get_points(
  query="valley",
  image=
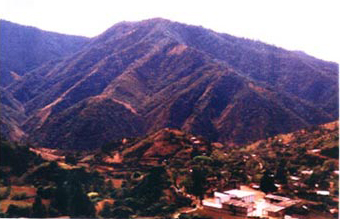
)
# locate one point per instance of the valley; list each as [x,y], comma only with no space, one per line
[118,174]
[160,119]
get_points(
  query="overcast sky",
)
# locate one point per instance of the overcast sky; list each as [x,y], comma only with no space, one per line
[308,25]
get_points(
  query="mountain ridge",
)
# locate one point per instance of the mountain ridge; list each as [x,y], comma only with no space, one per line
[180,76]
[27,47]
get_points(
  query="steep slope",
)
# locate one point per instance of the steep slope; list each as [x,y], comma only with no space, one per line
[11,116]
[174,75]
[25,48]
[296,73]
[88,125]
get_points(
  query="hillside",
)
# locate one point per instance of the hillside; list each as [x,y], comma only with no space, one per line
[159,174]
[173,75]
[11,117]
[24,48]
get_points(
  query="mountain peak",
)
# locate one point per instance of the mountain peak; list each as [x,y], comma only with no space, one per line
[157,73]
[157,20]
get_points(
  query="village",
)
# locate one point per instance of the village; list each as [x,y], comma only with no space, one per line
[195,178]
[240,200]
[248,201]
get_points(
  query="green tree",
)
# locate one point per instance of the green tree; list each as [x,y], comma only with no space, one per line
[329,166]
[71,159]
[80,205]
[122,212]
[267,183]
[38,209]
[60,199]
[17,211]
[107,211]
[4,194]
[281,172]
[199,176]
[196,183]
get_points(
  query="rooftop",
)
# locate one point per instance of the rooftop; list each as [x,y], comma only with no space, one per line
[239,193]
[288,203]
[277,197]
[295,178]
[321,192]
[273,208]
[238,203]
[218,194]
[211,203]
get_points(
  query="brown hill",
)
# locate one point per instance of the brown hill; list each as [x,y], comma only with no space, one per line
[168,74]
[164,144]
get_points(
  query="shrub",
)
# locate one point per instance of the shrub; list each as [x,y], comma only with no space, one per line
[332,152]
[17,211]
[20,196]
[46,192]
[182,201]
[5,192]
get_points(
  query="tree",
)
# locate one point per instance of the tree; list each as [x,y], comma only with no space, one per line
[267,182]
[199,182]
[38,209]
[6,193]
[106,148]
[107,211]
[15,211]
[281,172]
[60,199]
[71,159]
[122,212]
[151,187]
[329,166]
[80,205]
[196,183]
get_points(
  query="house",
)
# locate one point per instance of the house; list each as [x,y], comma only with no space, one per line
[221,197]
[245,196]
[322,192]
[295,178]
[278,205]
[307,172]
[281,201]
[274,211]
[238,207]
[236,202]
[275,198]
[243,203]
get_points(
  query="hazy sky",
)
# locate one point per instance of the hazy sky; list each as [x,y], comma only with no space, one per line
[308,25]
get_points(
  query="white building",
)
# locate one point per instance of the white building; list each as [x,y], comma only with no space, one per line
[245,196]
[232,201]
[221,197]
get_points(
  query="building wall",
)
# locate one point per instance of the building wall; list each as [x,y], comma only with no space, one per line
[249,198]
[239,210]
[278,214]
[221,197]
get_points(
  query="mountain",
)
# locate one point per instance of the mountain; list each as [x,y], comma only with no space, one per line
[24,48]
[139,77]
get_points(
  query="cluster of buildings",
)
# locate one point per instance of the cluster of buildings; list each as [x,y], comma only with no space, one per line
[243,203]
